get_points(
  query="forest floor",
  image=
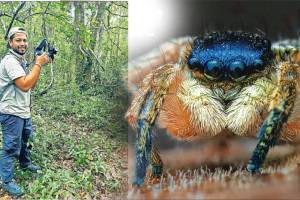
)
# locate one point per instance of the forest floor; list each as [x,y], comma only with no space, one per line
[81,147]
[216,170]
[77,163]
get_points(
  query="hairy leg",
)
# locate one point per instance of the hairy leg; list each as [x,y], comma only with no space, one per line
[156,162]
[143,142]
[143,111]
[167,53]
[280,109]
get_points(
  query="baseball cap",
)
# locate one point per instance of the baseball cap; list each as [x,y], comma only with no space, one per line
[15,30]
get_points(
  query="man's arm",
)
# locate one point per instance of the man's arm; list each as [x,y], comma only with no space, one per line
[26,82]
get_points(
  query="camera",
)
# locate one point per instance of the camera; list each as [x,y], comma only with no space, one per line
[44,44]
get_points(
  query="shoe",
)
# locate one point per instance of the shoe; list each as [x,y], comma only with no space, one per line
[12,188]
[31,167]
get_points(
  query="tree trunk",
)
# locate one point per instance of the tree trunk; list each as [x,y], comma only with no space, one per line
[78,22]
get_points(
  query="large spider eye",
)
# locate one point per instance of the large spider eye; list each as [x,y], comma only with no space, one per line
[213,69]
[237,69]
[258,64]
[194,63]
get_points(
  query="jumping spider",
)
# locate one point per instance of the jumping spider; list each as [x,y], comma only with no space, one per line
[234,81]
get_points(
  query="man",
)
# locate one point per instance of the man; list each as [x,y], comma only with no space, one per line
[15,84]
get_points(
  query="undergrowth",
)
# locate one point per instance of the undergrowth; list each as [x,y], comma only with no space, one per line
[77,139]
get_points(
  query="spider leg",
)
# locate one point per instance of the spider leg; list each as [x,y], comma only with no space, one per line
[146,153]
[156,162]
[143,142]
[269,134]
[280,109]
[142,114]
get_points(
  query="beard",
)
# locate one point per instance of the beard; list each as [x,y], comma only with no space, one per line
[20,50]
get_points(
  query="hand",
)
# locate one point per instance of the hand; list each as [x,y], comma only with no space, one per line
[42,59]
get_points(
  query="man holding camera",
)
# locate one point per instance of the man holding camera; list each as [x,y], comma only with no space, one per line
[15,84]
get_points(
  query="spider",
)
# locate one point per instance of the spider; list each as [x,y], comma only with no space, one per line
[232,81]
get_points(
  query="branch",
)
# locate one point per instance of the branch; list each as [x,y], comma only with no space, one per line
[47,8]
[116,14]
[92,52]
[3,24]
[119,27]
[89,53]
[7,15]
[21,5]
[83,51]
[44,31]
[118,47]
[120,5]
[44,13]
[114,27]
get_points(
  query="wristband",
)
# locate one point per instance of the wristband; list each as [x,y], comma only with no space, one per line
[38,65]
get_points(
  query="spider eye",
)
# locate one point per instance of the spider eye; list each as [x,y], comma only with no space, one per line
[194,63]
[213,69]
[237,69]
[258,64]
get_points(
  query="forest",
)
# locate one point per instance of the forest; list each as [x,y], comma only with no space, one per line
[80,132]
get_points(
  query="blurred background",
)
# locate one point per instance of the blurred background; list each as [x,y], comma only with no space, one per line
[153,22]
